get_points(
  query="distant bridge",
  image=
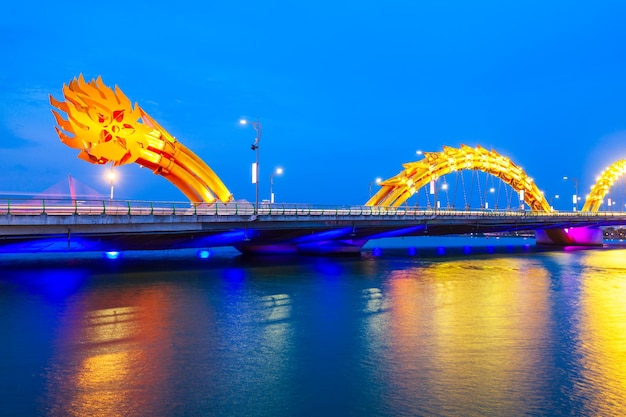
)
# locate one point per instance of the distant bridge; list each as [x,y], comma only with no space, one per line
[278,228]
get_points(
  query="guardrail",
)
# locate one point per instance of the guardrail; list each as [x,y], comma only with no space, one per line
[56,207]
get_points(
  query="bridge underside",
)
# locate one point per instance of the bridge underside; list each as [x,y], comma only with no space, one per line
[574,236]
[265,234]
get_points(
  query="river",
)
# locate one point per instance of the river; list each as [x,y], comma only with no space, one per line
[436,330]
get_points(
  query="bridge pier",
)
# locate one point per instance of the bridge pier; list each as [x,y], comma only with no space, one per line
[265,249]
[327,247]
[573,236]
[332,247]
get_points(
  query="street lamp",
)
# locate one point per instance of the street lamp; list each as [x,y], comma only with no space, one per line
[111,177]
[255,147]
[277,171]
[492,191]
[556,196]
[575,196]
[376,181]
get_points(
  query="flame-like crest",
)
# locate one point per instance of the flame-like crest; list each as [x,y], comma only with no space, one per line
[105,126]
[101,122]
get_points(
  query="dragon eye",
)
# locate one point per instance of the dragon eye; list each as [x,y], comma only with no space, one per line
[118,115]
[106,135]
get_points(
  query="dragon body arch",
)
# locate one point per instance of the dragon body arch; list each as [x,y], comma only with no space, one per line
[398,189]
[603,185]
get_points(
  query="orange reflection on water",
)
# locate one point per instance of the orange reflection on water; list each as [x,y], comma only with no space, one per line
[99,385]
[463,328]
[603,332]
[113,354]
[110,324]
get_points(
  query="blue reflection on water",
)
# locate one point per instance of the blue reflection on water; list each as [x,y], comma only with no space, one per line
[327,267]
[440,334]
[52,284]
[234,275]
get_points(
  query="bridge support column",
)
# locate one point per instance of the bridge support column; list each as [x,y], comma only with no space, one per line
[326,247]
[276,249]
[573,236]
[332,247]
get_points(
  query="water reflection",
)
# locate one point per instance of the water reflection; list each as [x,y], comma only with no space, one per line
[603,333]
[110,324]
[529,334]
[277,340]
[468,335]
[374,300]
[275,307]
[112,360]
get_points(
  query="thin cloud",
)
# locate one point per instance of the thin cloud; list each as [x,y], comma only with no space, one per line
[9,141]
[26,120]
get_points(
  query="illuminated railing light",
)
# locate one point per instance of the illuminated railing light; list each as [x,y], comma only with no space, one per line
[204,254]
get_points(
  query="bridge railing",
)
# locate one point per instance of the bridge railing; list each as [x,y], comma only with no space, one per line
[67,207]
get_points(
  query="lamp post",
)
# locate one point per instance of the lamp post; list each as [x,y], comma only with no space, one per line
[492,191]
[376,181]
[444,188]
[111,177]
[258,128]
[575,197]
[556,197]
[277,171]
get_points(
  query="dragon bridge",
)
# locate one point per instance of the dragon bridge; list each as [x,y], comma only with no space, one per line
[103,124]
[398,189]
[603,185]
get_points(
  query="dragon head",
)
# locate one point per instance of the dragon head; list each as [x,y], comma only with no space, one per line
[101,122]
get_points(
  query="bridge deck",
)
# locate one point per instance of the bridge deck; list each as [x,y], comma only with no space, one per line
[126,226]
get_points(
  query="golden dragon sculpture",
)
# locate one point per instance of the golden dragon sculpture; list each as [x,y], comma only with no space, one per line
[396,190]
[103,124]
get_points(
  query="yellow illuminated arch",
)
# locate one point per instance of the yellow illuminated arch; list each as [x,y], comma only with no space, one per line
[602,187]
[398,189]
[103,124]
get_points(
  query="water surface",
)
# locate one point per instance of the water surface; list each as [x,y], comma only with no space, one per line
[489,332]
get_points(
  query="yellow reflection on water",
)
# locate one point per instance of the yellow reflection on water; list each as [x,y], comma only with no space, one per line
[110,324]
[113,354]
[463,329]
[603,331]
[98,384]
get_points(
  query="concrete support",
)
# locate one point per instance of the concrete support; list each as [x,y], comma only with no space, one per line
[573,236]
[265,249]
[327,247]
[332,247]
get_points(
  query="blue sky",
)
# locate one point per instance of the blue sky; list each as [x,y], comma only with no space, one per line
[346,91]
